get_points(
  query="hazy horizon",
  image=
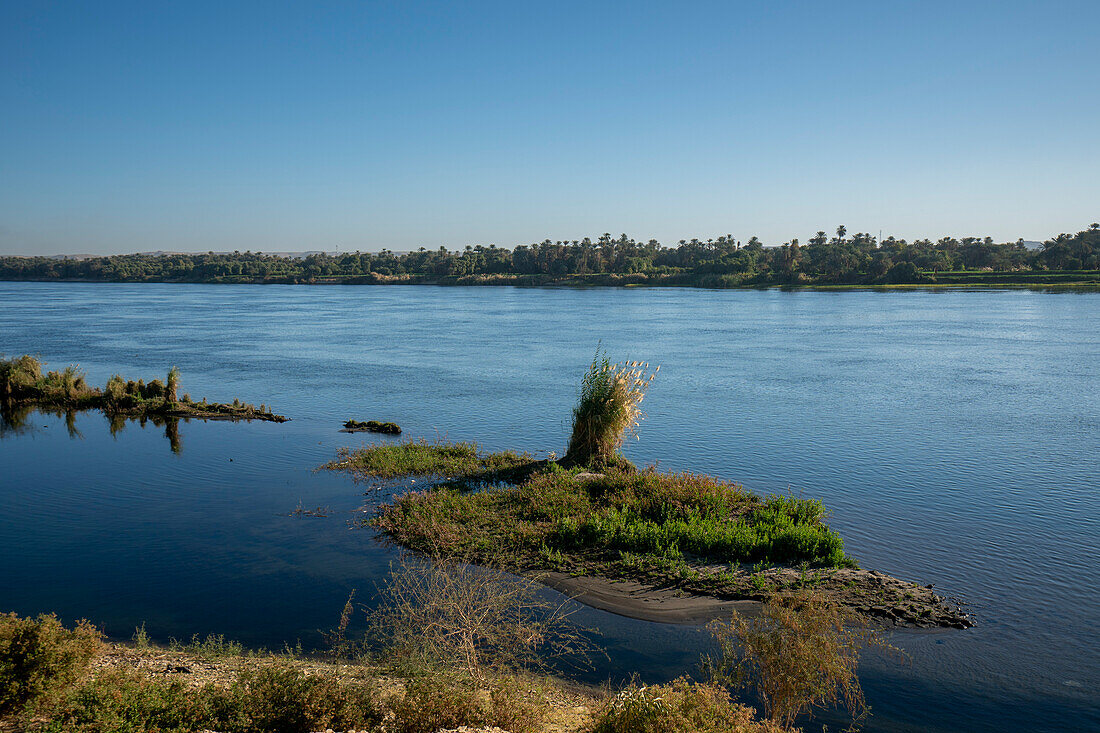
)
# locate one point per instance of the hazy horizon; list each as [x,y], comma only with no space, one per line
[199,127]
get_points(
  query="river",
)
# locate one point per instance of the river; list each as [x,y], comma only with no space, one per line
[954,434]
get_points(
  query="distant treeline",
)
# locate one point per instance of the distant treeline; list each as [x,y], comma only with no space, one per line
[857,259]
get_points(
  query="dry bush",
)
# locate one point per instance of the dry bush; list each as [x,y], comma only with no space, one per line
[40,658]
[443,611]
[802,651]
[609,407]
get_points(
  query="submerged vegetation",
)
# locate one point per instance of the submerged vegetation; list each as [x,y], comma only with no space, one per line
[844,259]
[23,384]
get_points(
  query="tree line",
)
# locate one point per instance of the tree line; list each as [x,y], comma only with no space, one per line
[841,258]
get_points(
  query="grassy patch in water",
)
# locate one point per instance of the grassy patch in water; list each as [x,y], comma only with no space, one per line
[420,458]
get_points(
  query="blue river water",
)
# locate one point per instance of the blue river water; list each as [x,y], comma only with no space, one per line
[955,436]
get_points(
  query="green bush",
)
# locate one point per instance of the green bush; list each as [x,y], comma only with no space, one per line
[125,701]
[681,706]
[283,698]
[443,701]
[277,698]
[39,658]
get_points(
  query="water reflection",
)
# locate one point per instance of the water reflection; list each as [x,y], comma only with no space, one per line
[18,420]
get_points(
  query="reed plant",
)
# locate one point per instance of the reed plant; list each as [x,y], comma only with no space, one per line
[608,409]
[172,385]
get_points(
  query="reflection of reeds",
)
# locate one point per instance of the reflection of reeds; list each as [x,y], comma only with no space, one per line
[608,409]
[172,432]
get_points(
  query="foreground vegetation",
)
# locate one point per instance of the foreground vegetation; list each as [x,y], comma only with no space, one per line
[458,648]
[1066,259]
[59,680]
[23,384]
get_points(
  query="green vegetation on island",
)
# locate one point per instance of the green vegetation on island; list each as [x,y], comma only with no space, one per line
[24,385]
[857,259]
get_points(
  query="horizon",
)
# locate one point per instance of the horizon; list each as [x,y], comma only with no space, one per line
[356,128]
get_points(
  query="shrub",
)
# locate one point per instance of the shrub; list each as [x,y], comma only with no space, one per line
[801,652]
[681,706]
[39,658]
[19,375]
[608,408]
[447,701]
[154,390]
[458,614]
[115,391]
[439,702]
[275,698]
[282,698]
[126,701]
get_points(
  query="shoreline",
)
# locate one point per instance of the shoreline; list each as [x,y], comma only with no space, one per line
[865,592]
[641,602]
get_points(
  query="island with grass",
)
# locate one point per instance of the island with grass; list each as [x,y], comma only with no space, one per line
[679,547]
[24,385]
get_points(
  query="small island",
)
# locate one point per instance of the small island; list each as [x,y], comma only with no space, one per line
[24,385]
[677,547]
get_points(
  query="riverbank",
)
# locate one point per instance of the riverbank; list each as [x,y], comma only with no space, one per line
[59,680]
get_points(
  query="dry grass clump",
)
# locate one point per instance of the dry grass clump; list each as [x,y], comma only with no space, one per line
[682,706]
[608,409]
[802,651]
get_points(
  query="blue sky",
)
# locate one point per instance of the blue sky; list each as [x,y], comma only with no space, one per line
[358,125]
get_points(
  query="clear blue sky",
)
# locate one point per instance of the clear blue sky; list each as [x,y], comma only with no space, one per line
[359,125]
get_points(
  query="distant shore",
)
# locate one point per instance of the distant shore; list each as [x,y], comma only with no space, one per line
[965,281]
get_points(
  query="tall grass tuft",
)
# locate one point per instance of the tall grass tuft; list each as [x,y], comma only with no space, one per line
[172,385]
[609,408]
